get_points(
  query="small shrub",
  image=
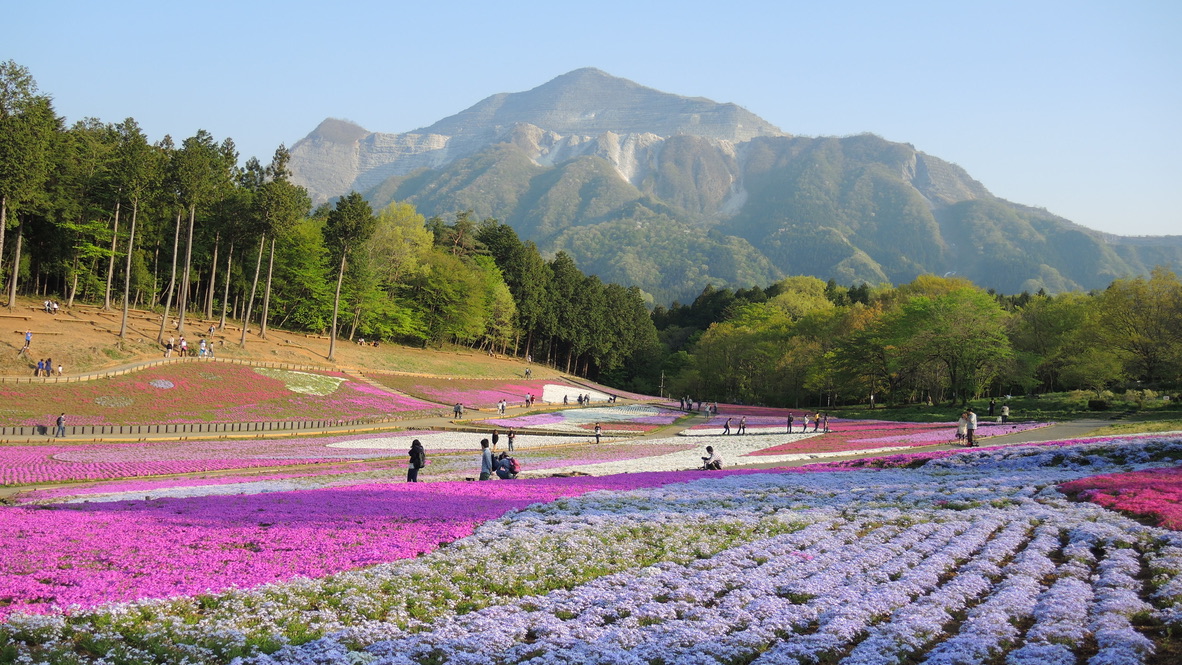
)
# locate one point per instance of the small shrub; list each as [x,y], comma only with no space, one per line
[1097,405]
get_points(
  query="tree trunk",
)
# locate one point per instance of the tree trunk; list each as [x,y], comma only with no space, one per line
[73,285]
[226,292]
[3,224]
[16,263]
[213,273]
[135,206]
[184,298]
[111,259]
[176,238]
[336,304]
[258,264]
[356,320]
[267,292]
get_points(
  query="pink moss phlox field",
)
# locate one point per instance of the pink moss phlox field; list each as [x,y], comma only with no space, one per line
[27,464]
[200,392]
[472,393]
[1155,493]
[856,435]
[88,554]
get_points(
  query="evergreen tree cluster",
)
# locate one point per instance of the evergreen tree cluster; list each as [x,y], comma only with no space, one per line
[94,212]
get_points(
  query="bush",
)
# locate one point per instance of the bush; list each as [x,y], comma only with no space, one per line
[1097,405]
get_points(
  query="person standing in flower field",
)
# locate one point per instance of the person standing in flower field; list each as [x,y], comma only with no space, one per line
[598,431]
[1005,413]
[790,420]
[972,428]
[486,460]
[496,436]
[418,459]
[510,436]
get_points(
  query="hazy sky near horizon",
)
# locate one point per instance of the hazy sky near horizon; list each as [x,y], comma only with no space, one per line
[1071,106]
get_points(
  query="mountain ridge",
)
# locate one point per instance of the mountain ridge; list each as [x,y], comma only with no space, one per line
[588,155]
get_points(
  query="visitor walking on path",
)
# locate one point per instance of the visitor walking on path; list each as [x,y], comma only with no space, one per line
[726,428]
[1005,413]
[458,411]
[742,425]
[418,459]
[60,430]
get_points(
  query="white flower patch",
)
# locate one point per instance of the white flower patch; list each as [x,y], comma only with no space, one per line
[303,382]
[445,441]
[163,384]
[734,450]
[553,393]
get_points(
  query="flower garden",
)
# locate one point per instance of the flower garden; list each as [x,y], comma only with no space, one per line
[956,557]
[484,393]
[312,549]
[205,392]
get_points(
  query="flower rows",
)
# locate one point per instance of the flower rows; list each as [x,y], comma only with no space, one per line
[974,557]
[1153,492]
[485,393]
[204,392]
[612,418]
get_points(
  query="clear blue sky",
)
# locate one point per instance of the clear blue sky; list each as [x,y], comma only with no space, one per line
[1072,106]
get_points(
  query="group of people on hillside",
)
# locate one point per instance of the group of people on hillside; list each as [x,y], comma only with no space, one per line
[51,306]
[687,404]
[45,368]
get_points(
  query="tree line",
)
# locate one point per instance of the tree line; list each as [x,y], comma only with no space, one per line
[802,341]
[95,212]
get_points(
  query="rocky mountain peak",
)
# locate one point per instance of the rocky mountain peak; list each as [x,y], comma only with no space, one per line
[336,130]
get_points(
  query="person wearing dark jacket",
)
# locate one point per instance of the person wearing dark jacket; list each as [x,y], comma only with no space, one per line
[418,459]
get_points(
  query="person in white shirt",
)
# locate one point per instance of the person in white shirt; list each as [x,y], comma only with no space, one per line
[713,462]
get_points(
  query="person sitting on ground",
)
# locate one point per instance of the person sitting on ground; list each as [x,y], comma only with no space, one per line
[504,466]
[712,462]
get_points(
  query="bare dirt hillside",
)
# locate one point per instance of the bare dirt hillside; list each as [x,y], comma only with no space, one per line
[86,339]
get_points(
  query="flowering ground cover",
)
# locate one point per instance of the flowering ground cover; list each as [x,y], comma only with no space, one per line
[869,434]
[483,393]
[452,456]
[1155,493]
[203,392]
[628,418]
[972,558]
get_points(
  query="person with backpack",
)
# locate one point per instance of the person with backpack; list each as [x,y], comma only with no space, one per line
[507,467]
[418,459]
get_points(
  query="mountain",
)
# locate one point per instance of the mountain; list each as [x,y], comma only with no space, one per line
[673,193]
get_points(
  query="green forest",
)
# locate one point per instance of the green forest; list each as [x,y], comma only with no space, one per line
[94,212]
